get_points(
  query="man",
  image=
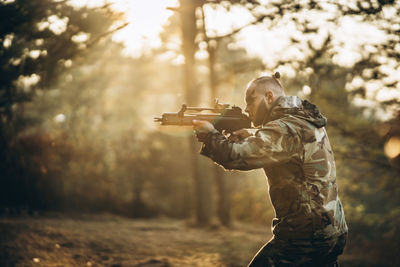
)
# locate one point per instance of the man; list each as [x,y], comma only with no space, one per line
[292,146]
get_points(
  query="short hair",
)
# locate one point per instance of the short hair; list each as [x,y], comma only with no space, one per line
[271,83]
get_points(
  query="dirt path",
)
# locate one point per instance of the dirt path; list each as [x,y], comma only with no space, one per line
[108,240]
[115,241]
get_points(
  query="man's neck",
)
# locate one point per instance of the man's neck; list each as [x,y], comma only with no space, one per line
[268,114]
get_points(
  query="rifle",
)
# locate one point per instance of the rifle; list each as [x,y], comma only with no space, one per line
[221,116]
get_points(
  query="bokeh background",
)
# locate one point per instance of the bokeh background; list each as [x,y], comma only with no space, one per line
[80,83]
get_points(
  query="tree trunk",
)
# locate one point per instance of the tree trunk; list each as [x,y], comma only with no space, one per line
[202,184]
[223,187]
[224,196]
[223,190]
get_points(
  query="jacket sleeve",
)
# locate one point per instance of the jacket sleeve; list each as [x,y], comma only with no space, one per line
[272,144]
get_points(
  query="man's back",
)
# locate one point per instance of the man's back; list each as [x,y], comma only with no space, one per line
[302,182]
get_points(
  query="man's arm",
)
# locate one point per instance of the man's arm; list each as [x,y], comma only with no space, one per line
[270,145]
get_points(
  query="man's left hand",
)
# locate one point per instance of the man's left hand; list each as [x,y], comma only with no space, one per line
[202,128]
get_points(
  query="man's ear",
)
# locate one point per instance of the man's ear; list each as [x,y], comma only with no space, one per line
[270,97]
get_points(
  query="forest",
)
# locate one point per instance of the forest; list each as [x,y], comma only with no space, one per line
[79,145]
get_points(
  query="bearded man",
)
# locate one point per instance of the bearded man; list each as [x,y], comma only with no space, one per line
[291,144]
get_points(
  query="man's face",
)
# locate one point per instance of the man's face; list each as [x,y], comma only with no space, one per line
[256,103]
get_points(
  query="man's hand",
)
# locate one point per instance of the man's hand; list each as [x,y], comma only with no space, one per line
[239,135]
[202,128]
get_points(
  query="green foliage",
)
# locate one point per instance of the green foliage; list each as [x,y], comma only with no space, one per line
[38,38]
[38,43]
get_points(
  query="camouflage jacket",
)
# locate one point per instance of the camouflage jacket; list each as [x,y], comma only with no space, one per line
[293,148]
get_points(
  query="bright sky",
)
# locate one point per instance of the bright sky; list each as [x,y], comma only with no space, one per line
[146,18]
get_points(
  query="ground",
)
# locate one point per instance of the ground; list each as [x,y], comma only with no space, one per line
[108,240]
[115,241]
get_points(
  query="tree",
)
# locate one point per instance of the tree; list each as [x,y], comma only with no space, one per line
[189,32]
[192,36]
[40,39]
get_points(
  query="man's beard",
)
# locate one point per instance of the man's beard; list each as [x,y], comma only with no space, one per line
[260,113]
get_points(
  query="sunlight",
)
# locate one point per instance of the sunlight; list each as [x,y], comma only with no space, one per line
[146,19]
[307,90]
[392,147]
[60,118]
[26,82]
[80,37]
[8,40]
[220,22]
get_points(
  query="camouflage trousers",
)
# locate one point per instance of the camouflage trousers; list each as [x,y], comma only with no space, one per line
[278,252]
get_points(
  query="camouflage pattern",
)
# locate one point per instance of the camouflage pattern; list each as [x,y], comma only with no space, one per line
[293,148]
[298,252]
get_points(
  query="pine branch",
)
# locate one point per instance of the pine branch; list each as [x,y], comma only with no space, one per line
[100,36]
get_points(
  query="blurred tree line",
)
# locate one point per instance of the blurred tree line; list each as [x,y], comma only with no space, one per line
[76,131]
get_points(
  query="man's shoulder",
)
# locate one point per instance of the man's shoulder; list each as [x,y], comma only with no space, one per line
[272,127]
[290,124]
[280,130]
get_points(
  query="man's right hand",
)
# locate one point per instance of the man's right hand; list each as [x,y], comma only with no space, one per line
[239,135]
